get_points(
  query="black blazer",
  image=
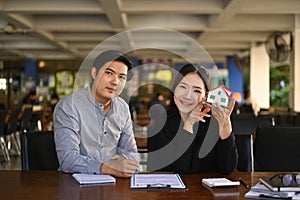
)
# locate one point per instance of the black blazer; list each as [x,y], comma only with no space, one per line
[181,148]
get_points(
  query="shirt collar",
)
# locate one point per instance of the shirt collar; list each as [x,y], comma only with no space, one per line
[94,102]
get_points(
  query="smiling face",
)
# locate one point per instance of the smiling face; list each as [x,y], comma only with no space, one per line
[109,81]
[189,92]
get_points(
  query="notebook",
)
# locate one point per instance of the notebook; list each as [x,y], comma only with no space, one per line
[260,191]
[224,192]
[219,182]
[93,178]
[275,184]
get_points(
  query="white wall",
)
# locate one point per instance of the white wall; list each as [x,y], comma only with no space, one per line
[260,75]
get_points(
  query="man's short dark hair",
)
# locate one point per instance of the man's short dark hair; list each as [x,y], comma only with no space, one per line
[32,92]
[112,55]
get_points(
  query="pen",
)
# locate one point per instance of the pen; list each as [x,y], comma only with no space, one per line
[136,169]
[273,197]
[124,156]
[243,183]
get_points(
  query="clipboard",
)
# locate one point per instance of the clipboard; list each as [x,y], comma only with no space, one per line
[157,182]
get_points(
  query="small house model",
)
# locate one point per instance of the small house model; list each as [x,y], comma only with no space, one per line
[219,94]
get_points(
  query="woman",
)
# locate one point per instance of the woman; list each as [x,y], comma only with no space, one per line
[175,147]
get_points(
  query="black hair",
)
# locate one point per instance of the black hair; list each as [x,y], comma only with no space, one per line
[54,96]
[32,92]
[158,94]
[112,55]
[189,68]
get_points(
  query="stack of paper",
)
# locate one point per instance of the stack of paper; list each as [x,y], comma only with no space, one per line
[93,178]
[261,191]
[219,182]
[222,192]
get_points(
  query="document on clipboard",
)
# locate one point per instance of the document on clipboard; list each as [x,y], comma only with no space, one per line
[157,181]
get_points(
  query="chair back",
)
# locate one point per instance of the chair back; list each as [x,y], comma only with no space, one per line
[297,119]
[25,120]
[244,147]
[12,124]
[38,151]
[3,113]
[266,120]
[244,123]
[277,149]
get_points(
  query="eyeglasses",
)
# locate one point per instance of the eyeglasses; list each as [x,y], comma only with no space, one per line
[288,179]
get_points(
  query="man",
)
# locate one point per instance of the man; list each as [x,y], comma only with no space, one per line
[31,98]
[93,128]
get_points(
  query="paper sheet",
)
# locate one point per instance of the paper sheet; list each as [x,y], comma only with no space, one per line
[259,189]
[156,181]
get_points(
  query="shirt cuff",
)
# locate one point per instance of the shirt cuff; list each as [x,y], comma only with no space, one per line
[94,167]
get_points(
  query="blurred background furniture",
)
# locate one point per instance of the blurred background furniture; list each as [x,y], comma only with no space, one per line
[277,149]
[245,151]
[25,120]
[4,151]
[38,151]
[247,123]
[10,132]
[23,125]
[244,126]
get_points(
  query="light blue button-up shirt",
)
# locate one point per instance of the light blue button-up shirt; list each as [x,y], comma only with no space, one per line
[85,137]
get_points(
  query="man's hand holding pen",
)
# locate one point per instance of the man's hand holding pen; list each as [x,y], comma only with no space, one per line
[122,167]
[137,169]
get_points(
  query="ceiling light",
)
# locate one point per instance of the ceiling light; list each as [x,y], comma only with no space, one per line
[42,64]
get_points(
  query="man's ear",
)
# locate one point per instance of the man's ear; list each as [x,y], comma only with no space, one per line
[93,72]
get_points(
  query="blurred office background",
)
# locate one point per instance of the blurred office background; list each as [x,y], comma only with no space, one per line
[253,44]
